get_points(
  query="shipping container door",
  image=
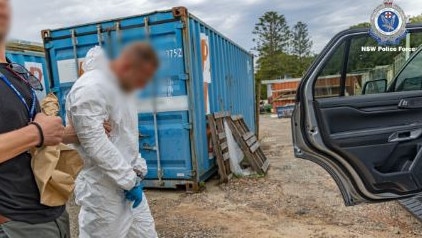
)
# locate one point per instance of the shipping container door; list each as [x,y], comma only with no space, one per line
[164,135]
[65,52]
[163,106]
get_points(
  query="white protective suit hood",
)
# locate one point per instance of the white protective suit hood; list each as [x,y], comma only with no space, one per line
[108,161]
[95,59]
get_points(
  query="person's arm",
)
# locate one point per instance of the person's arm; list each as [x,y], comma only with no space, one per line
[87,109]
[17,142]
[70,136]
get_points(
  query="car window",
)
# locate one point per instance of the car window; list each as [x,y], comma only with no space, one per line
[410,78]
[369,62]
[369,68]
[328,82]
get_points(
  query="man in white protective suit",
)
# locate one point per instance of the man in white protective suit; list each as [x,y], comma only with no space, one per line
[109,188]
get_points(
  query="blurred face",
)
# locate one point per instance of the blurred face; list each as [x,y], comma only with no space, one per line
[136,76]
[5,16]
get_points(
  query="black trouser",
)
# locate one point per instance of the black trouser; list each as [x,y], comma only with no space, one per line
[58,228]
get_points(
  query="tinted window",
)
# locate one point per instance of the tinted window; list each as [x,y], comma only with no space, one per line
[369,67]
[328,82]
[410,78]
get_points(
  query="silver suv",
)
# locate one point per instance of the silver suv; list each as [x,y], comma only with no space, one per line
[359,116]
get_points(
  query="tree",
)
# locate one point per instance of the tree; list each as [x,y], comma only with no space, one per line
[272,34]
[275,45]
[301,42]
[301,47]
[416,19]
[272,37]
[361,25]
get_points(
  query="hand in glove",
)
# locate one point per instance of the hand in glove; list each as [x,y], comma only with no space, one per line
[135,195]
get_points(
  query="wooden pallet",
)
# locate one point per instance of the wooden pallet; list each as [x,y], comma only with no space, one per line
[249,144]
[220,146]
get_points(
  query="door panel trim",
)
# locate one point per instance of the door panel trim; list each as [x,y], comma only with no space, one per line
[376,131]
[314,145]
[365,101]
[377,182]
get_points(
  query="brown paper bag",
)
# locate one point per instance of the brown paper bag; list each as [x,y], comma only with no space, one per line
[55,167]
[50,105]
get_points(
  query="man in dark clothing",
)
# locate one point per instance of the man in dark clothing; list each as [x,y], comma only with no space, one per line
[23,127]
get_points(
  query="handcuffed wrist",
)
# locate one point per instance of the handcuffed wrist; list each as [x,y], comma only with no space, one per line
[139,174]
[138,182]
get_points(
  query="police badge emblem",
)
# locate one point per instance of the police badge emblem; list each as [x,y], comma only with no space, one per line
[388,23]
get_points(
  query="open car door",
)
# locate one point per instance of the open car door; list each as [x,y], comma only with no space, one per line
[359,115]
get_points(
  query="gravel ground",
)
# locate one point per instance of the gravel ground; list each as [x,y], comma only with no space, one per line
[296,199]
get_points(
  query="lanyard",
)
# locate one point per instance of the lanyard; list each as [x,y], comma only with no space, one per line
[31,111]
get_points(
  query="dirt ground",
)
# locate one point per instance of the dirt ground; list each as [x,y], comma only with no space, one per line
[296,199]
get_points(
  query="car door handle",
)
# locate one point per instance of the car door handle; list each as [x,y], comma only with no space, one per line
[410,103]
[401,136]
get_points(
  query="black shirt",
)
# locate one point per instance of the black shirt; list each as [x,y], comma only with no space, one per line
[19,195]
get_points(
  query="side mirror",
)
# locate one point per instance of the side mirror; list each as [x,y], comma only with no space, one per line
[375,86]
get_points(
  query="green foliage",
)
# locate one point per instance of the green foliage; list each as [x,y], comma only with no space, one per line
[359,60]
[301,42]
[272,34]
[362,61]
[416,19]
[361,25]
[282,51]
[268,108]
[301,48]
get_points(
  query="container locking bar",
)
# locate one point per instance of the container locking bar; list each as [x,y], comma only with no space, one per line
[118,34]
[187,126]
[99,35]
[75,51]
[183,76]
[147,29]
[157,145]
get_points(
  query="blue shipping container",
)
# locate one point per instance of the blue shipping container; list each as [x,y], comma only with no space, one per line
[201,72]
[35,63]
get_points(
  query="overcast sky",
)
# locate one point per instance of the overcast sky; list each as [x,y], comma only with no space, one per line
[234,18]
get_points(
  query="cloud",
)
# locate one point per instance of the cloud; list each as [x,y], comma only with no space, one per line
[235,18]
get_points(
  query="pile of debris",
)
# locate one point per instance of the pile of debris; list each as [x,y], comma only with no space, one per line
[237,149]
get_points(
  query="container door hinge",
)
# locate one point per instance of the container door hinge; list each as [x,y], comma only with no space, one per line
[148,147]
[46,35]
[143,136]
[180,25]
[184,77]
[187,126]
[193,173]
[48,45]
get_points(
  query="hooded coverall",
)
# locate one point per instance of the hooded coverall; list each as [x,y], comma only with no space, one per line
[109,162]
